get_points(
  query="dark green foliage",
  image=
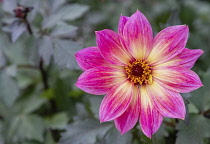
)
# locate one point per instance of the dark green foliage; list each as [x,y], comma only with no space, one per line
[195,132]
[39,103]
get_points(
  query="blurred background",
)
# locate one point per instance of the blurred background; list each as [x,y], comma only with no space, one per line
[39,103]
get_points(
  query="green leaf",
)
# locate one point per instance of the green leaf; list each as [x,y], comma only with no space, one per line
[68,12]
[195,133]
[51,21]
[114,137]
[74,11]
[201,97]
[57,4]
[21,51]
[45,48]
[1,133]
[30,142]
[49,138]
[161,134]
[82,112]
[64,52]
[57,121]
[22,127]
[61,97]
[187,15]
[27,76]
[11,70]
[9,89]
[30,104]
[95,102]
[48,94]
[2,59]
[63,30]
[4,110]
[9,5]
[87,131]
[17,29]
[192,108]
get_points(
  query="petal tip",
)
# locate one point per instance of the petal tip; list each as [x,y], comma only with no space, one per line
[76,84]
[149,135]
[200,51]
[186,27]
[181,27]
[76,56]
[137,13]
[102,118]
[122,133]
[147,132]
[200,84]
[182,115]
[101,31]
[183,118]
[97,32]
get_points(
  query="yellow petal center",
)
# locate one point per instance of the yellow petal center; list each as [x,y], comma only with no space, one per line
[139,72]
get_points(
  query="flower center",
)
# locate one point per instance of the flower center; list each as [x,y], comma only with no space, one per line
[139,72]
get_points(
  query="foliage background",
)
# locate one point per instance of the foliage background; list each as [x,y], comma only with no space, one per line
[39,103]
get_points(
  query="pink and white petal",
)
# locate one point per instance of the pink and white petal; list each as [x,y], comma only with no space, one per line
[116,101]
[121,25]
[186,58]
[138,36]
[178,79]
[100,80]
[90,57]
[150,117]
[168,43]
[168,103]
[129,118]
[112,48]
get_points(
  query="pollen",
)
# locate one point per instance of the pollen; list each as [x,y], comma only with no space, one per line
[139,72]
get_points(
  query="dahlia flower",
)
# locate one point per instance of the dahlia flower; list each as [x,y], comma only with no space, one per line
[141,76]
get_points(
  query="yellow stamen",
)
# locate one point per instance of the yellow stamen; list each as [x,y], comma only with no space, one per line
[139,72]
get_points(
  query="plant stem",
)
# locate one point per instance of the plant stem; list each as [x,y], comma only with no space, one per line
[45,84]
[55,133]
[44,75]
[29,28]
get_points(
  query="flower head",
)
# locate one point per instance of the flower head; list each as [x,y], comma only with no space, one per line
[22,11]
[141,76]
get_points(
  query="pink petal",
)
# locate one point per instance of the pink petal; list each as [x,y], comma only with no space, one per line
[150,117]
[168,103]
[100,80]
[116,101]
[129,118]
[138,35]
[111,47]
[179,79]
[121,25]
[89,58]
[168,43]
[186,58]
